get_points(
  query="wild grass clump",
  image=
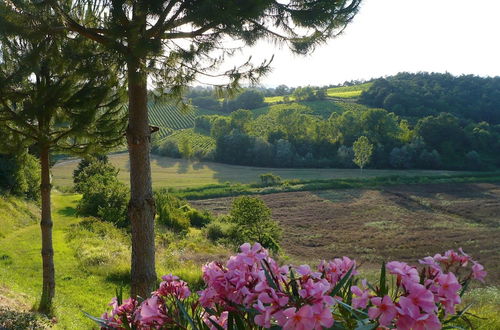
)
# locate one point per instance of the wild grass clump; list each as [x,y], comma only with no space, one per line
[21,320]
[90,240]
[16,213]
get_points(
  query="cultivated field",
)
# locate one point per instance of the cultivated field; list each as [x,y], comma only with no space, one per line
[395,223]
[179,173]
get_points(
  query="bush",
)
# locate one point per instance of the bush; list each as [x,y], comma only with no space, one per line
[252,291]
[216,231]
[105,198]
[199,219]
[170,212]
[269,179]
[20,175]
[253,223]
[169,148]
[90,167]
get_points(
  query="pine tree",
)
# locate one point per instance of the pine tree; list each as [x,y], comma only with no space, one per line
[174,42]
[56,95]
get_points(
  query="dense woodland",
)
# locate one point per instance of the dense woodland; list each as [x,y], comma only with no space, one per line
[427,121]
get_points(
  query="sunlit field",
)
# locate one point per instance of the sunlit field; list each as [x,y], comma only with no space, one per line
[180,173]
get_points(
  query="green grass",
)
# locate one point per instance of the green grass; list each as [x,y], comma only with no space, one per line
[76,290]
[16,213]
[181,173]
[92,259]
[228,189]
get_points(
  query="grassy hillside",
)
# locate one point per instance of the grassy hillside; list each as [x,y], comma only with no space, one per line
[323,108]
[16,213]
[180,173]
[91,258]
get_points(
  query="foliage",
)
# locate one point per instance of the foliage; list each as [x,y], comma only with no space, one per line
[171,213]
[424,94]
[103,196]
[363,151]
[20,175]
[251,291]
[106,198]
[269,179]
[198,219]
[249,99]
[92,166]
[253,223]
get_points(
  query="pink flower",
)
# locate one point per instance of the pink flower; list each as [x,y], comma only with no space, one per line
[211,319]
[361,301]
[301,320]
[419,297]
[150,312]
[478,272]
[427,322]
[449,285]
[324,319]
[385,309]
[172,286]
[405,273]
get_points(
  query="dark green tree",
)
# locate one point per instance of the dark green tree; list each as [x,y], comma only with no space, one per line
[174,41]
[56,95]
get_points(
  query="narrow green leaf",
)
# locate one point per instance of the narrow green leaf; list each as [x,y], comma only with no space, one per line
[341,283]
[185,314]
[383,284]
[295,289]
[97,320]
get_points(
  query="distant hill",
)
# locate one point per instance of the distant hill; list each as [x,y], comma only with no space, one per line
[423,94]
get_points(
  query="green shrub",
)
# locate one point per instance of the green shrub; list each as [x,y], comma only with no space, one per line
[199,219]
[90,167]
[253,223]
[105,199]
[269,179]
[217,230]
[173,218]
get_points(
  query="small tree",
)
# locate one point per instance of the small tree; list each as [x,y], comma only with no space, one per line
[254,223]
[363,151]
[56,94]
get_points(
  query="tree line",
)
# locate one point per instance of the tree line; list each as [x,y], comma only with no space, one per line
[422,94]
[289,135]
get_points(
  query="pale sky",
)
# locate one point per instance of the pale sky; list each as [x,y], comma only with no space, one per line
[389,36]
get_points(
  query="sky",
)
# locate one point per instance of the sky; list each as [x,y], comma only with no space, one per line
[390,36]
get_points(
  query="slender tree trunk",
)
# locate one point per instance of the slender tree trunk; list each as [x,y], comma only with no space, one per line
[141,207]
[49,283]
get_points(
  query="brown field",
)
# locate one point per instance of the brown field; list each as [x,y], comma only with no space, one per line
[394,223]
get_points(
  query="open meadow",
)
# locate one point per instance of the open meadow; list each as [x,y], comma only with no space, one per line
[181,173]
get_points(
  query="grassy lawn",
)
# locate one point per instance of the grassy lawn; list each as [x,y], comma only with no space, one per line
[180,173]
[76,290]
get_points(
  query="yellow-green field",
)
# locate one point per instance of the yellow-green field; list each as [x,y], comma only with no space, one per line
[180,173]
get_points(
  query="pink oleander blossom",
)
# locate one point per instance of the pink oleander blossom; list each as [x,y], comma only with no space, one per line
[385,310]
[362,296]
[478,272]
[405,273]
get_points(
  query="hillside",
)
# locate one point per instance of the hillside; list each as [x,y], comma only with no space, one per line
[16,213]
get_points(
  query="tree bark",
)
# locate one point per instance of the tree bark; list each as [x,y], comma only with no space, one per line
[49,283]
[141,208]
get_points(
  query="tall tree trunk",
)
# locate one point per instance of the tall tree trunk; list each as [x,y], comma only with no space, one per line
[141,209]
[49,283]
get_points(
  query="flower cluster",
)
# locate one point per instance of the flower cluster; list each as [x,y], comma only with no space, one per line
[152,313]
[418,300]
[294,298]
[253,291]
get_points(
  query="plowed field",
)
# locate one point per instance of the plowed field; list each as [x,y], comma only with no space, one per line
[395,223]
